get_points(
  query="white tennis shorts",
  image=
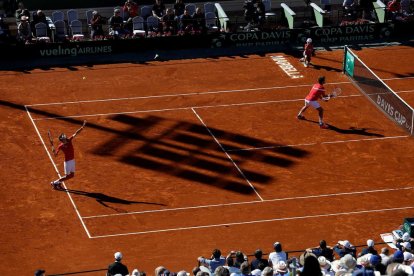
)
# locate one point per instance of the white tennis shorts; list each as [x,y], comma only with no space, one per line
[314,104]
[70,166]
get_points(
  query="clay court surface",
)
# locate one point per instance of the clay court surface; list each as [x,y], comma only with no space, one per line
[181,157]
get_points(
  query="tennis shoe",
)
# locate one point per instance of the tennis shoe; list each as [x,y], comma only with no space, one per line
[300,117]
[302,60]
[323,126]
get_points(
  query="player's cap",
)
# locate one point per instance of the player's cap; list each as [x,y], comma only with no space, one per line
[309,40]
[321,79]
[370,243]
[118,256]
[62,137]
[406,236]
[39,272]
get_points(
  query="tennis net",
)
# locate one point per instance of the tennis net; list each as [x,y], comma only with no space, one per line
[377,91]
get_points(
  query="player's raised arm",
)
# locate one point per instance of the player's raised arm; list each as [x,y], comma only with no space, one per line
[79,130]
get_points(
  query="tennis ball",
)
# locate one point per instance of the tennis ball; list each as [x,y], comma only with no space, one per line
[84,78]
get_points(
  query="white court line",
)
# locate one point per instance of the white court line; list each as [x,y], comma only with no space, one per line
[256,221]
[228,156]
[320,143]
[57,171]
[181,108]
[199,93]
[248,202]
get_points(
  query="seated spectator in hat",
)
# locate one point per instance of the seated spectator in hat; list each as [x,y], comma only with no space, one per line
[403,242]
[322,250]
[280,269]
[346,264]
[343,248]
[21,11]
[179,8]
[368,250]
[158,9]
[116,24]
[97,22]
[221,271]
[24,32]
[325,266]
[214,261]
[199,20]
[375,261]
[169,22]
[258,255]
[385,256]
[117,267]
[397,264]
[405,7]
[240,258]
[408,259]
[311,267]
[277,255]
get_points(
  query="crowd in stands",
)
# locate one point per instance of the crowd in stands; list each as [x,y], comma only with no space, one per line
[341,259]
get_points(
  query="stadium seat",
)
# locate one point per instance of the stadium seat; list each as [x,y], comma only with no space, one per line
[211,21]
[89,15]
[209,7]
[41,32]
[58,16]
[268,8]
[152,24]
[138,26]
[146,11]
[72,15]
[191,8]
[76,30]
[61,31]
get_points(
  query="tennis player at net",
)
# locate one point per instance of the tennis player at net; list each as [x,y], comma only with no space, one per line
[317,92]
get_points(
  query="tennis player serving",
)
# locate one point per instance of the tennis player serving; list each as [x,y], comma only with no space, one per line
[67,148]
[317,92]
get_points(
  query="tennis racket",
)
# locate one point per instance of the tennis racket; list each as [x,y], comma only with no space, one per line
[51,140]
[335,92]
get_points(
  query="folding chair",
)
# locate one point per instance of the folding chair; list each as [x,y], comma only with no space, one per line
[61,32]
[146,11]
[76,30]
[191,8]
[209,7]
[72,15]
[58,16]
[138,26]
[41,32]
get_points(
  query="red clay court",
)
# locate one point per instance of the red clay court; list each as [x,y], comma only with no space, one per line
[181,157]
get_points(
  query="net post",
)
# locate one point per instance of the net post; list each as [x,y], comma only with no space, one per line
[344,59]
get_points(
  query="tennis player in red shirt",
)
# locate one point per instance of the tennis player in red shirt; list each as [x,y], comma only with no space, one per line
[317,92]
[308,52]
[67,148]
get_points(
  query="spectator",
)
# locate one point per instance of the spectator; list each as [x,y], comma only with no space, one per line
[199,21]
[179,8]
[215,260]
[230,266]
[345,265]
[39,272]
[258,254]
[39,17]
[169,23]
[397,264]
[97,22]
[221,271]
[158,9]
[405,7]
[277,255]
[311,267]
[186,22]
[260,14]
[245,269]
[20,12]
[130,9]
[368,250]
[408,259]
[343,248]
[117,267]
[268,271]
[280,269]
[322,250]
[116,24]
[240,258]
[249,13]
[385,258]
[24,33]
[375,261]
[367,9]
[325,266]
[182,273]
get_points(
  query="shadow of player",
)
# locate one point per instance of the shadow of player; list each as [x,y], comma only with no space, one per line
[104,199]
[350,130]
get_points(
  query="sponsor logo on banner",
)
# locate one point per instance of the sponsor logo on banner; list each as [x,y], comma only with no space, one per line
[75,51]
[393,112]
[259,38]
